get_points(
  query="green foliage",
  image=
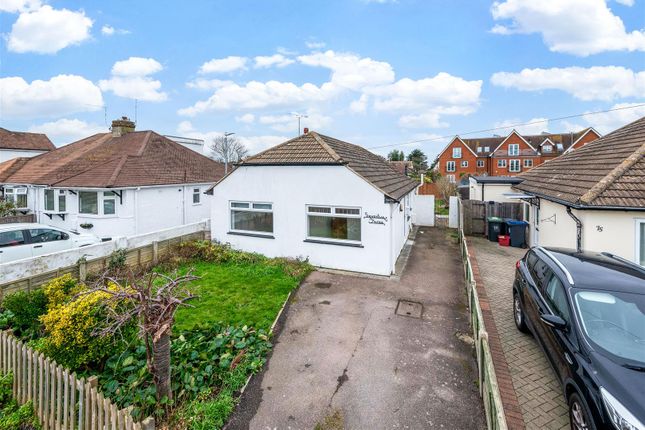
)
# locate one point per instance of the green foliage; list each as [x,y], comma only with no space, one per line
[26,307]
[396,155]
[202,359]
[7,208]
[6,319]
[116,260]
[419,161]
[12,416]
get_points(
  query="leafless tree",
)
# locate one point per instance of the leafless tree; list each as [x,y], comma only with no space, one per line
[446,189]
[153,306]
[228,149]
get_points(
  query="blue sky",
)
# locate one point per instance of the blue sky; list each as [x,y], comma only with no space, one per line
[371,72]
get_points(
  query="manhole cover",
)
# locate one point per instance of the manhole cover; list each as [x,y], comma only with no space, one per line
[408,308]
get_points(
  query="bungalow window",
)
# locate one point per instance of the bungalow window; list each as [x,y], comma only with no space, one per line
[513,149]
[464,164]
[252,217]
[109,203]
[62,201]
[197,195]
[336,223]
[17,195]
[456,152]
[501,163]
[547,148]
[50,200]
[480,163]
[89,203]
[528,162]
[514,166]
[450,166]
[640,241]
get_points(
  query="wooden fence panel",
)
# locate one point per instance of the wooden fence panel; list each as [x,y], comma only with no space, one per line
[476,214]
[61,401]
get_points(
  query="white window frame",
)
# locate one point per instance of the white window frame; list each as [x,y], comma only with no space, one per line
[637,242]
[334,214]
[100,199]
[456,152]
[13,195]
[528,162]
[251,208]
[57,199]
[451,178]
[464,163]
[486,148]
[196,192]
[512,162]
[480,163]
[448,164]
[547,148]
[513,149]
[559,147]
[501,163]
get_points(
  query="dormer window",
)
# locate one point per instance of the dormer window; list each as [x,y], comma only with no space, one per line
[456,152]
[547,148]
[479,149]
[559,146]
[514,149]
[486,148]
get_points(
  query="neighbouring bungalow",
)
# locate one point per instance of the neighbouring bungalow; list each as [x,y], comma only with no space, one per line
[491,188]
[15,144]
[113,184]
[335,203]
[592,198]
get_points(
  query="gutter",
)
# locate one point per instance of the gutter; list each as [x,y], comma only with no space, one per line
[584,207]
[578,229]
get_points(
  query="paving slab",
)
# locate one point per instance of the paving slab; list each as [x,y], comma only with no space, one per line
[342,349]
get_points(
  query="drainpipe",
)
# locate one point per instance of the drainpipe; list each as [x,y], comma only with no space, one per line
[483,185]
[578,229]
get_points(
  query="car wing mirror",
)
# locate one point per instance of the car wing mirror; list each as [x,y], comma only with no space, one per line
[553,321]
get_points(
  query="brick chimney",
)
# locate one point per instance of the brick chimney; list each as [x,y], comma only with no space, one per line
[122,126]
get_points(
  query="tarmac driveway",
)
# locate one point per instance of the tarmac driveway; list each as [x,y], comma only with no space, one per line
[343,354]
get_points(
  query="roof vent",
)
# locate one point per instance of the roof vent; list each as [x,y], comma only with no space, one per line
[122,126]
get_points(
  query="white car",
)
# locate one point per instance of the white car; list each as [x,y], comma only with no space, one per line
[18,241]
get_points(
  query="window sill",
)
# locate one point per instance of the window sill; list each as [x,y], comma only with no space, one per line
[263,236]
[329,242]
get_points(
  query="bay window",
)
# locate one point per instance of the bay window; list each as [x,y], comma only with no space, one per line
[334,223]
[252,217]
[17,195]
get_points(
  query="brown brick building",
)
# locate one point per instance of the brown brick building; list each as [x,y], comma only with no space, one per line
[507,156]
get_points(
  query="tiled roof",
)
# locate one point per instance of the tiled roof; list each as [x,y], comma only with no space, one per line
[609,171]
[140,158]
[24,141]
[401,166]
[566,139]
[316,149]
[10,167]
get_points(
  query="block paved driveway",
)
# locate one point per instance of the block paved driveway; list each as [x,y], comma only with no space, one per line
[342,350]
[536,386]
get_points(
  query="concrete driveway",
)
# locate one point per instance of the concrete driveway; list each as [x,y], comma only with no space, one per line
[344,358]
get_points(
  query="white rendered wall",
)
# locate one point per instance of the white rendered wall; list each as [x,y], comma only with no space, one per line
[10,154]
[424,210]
[492,192]
[290,189]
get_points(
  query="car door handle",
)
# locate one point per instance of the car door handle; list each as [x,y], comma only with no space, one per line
[38,246]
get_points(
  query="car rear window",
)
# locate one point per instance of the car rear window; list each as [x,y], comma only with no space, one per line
[11,238]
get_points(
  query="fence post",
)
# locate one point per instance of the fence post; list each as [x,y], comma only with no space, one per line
[148,424]
[155,252]
[82,270]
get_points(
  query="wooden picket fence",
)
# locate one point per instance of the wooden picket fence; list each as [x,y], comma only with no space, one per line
[61,400]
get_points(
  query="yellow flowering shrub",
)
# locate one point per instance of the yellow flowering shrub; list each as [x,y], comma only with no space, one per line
[71,331]
[61,289]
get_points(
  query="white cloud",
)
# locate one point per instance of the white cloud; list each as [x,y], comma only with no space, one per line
[254,144]
[136,66]
[533,126]
[208,84]
[130,79]
[594,83]
[108,30]
[47,30]
[61,95]
[360,105]
[349,70]
[315,45]
[609,121]
[224,65]
[247,118]
[68,130]
[277,60]
[15,6]
[578,27]
[629,3]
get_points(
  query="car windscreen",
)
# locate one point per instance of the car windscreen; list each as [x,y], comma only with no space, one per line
[614,321]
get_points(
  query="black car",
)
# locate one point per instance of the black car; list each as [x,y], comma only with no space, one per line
[587,312]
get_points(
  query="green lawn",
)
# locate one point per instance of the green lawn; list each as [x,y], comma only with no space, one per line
[439,208]
[250,294]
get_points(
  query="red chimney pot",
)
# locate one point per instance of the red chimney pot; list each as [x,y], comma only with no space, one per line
[306,130]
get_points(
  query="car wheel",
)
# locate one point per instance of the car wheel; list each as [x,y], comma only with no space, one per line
[518,314]
[579,415]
